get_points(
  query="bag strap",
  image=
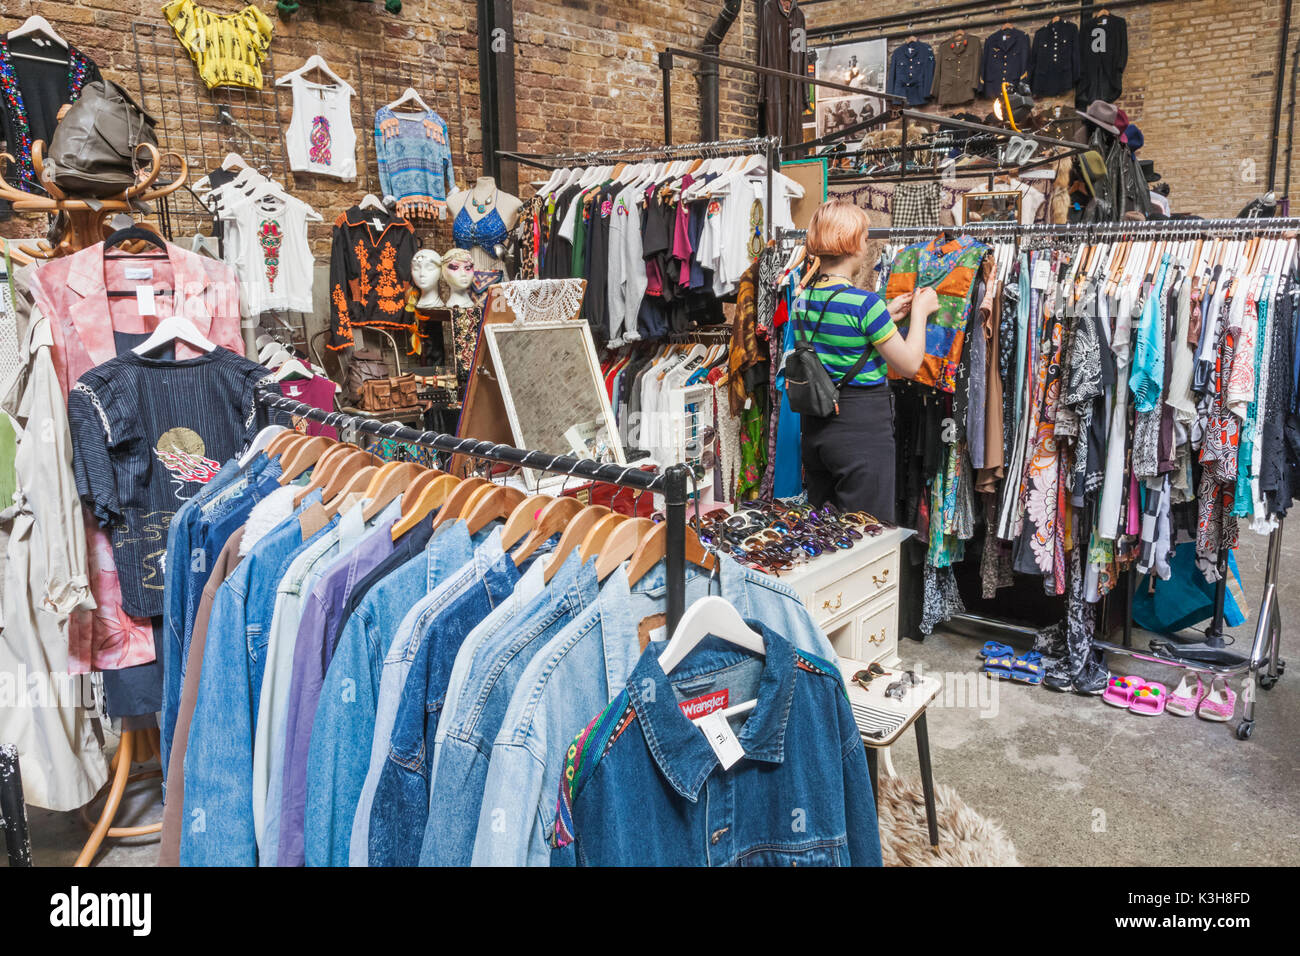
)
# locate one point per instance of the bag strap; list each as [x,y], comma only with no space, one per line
[856,367]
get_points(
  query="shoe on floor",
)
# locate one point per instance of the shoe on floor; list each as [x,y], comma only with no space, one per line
[1185,699]
[1219,704]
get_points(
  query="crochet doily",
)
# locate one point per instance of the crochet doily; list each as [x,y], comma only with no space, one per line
[543,300]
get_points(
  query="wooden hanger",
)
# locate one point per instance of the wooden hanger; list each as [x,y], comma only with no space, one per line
[454,506]
[302,455]
[523,519]
[621,545]
[321,469]
[598,534]
[389,480]
[330,476]
[572,537]
[430,498]
[498,503]
[356,485]
[653,548]
[283,442]
[414,489]
[554,518]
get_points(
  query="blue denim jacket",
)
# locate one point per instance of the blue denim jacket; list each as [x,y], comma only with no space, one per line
[219,756]
[398,663]
[345,716]
[800,795]
[577,674]
[462,762]
[401,805]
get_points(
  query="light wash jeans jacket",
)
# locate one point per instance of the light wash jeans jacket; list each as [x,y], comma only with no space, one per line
[219,756]
[456,793]
[345,716]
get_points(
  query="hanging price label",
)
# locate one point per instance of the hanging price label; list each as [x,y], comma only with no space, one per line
[722,739]
[1042,273]
[144,299]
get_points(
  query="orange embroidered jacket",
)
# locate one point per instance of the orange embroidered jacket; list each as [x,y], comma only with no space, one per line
[370,272]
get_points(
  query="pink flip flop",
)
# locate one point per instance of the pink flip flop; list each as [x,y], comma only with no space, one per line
[1121,690]
[1218,705]
[1184,700]
[1150,699]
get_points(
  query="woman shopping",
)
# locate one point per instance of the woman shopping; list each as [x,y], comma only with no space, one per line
[848,456]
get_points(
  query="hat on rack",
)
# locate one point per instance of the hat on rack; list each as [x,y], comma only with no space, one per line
[1133,137]
[1149,170]
[1106,115]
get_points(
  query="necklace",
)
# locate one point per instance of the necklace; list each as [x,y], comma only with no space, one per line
[482,207]
[838,275]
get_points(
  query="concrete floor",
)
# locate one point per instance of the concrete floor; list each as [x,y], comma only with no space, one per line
[1072,780]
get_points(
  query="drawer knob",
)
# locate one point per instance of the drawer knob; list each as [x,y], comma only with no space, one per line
[881,581]
[877,637]
[839,600]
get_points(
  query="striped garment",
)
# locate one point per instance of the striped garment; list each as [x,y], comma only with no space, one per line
[855,319]
[950,270]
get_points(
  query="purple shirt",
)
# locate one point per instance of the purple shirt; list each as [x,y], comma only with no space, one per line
[318,633]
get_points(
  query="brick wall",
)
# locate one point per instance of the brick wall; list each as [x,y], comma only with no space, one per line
[585,72]
[1199,82]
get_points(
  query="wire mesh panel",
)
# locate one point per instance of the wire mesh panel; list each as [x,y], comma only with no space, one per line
[204,125]
[381,80]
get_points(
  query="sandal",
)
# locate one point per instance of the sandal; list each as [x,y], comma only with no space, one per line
[1218,705]
[1028,668]
[995,649]
[1121,690]
[999,667]
[1184,701]
[1149,700]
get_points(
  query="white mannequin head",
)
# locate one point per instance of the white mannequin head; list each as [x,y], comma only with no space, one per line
[458,273]
[426,270]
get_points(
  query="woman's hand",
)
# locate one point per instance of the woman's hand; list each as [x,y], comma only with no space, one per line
[899,307]
[925,302]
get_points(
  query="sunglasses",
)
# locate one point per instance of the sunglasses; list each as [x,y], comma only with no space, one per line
[863,678]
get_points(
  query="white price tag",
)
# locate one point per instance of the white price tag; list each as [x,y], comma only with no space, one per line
[144,299]
[379,226]
[722,739]
[1042,274]
[659,634]
[139,273]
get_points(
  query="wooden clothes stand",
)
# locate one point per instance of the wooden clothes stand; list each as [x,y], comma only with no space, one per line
[88,223]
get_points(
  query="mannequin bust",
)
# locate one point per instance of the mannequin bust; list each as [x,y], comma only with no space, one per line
[426,271]
[478,229]
[458,273]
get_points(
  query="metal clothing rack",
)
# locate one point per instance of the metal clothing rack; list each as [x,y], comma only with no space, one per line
[769,146]
[671,482]
[1263,661]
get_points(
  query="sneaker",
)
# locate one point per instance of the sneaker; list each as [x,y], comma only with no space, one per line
[1093,686]
[1057,683]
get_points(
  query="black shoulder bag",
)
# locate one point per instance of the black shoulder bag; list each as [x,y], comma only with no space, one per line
[808,385]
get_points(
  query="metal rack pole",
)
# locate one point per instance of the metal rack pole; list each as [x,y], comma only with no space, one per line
[13,811]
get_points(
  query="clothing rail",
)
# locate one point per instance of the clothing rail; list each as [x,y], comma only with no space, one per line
[1148,227]
[732,147]
[13,812]
[672,482]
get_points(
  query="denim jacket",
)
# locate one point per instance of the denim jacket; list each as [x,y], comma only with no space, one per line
[345,716]
[401,807]
[462,759]
[219,755]
[800,795]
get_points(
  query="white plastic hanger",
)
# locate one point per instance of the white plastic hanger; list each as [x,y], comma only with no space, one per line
[260,441]
[371,201]
[38,25]
[409,95]
[171,329]
[292,367]
[314,62]
[709,616]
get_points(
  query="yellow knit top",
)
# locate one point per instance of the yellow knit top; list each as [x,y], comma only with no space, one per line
[228,49]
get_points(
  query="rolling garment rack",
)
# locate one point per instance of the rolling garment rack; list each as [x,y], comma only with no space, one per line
[671,482]
[1263,664]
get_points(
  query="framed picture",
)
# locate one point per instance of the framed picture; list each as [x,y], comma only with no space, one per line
[991,207]
[861,65]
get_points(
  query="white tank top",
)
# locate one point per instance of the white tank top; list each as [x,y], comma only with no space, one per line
[320,138]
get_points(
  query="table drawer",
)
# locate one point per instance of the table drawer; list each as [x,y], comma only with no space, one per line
[877,630]
[860,585]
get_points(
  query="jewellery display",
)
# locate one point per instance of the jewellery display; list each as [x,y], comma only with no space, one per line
[773,538]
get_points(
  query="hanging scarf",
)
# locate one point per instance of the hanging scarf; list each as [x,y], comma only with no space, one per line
[12,97]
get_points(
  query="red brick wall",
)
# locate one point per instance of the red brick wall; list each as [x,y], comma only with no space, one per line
[1199,82]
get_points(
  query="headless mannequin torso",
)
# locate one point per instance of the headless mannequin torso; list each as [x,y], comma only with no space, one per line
[479,202]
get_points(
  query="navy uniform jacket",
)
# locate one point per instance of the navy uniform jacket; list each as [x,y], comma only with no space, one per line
[1006,59]
[911,72]
[1054,59]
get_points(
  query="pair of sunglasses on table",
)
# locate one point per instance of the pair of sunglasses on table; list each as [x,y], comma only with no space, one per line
[896,689]
[774,538]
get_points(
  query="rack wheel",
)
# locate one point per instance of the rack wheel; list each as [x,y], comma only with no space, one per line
[1245,729]
[1281,668]
[1267,681]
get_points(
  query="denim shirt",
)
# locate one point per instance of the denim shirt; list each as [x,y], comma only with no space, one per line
[800,795]
[462,764]
[573,676]
[312,652]
[219,755]
[401,803]
[398,665]
[345,717]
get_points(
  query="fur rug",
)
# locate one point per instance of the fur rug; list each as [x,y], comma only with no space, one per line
[965,837]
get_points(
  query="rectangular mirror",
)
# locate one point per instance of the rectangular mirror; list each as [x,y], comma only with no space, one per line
[553,389]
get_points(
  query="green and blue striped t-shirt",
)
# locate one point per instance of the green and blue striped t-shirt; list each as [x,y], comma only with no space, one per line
[855,319]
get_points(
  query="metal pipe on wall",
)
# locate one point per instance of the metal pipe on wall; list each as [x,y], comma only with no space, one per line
[1283,40]
[709,98]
